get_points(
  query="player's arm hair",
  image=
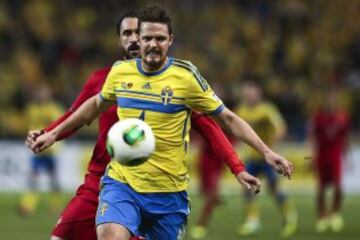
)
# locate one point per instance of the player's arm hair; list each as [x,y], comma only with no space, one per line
[85,114]
[242,130]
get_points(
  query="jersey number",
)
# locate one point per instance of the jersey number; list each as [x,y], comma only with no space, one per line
[142,116]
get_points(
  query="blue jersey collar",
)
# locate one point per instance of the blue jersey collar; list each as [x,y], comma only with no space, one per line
[141,70]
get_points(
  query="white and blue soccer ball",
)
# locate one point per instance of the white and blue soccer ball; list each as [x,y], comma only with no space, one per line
[130,142]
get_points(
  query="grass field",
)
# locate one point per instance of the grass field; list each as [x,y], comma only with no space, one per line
[222,227]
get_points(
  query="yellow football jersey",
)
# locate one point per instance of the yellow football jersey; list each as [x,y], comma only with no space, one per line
[164,100]
[39,115]
[266,121]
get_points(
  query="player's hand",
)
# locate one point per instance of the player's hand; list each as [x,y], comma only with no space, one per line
[250,182]
[43,142]
[279,163]
[32,136]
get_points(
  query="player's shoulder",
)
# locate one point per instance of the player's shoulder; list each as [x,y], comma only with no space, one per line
[186,68]
[124,63]
[268,106]
[122,66]
[185,65]
[102,72]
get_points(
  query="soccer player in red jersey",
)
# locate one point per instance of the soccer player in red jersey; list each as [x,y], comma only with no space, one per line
[210,168]
[329,131]
[78,218]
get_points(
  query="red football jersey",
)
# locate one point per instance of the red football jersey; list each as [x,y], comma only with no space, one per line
[207,127]
[100,158]
[330,131]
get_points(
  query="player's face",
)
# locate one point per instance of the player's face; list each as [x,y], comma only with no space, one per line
[155,41]
[251,94]
[129,38]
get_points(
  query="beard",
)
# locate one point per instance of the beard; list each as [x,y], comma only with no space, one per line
[156,61]
[133,51]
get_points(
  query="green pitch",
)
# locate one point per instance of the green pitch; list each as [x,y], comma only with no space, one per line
[222,227]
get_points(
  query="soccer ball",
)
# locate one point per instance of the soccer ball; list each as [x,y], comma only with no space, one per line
[130,142]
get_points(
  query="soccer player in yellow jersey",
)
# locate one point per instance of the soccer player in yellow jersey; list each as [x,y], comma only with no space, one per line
[268,123]
[150,198]
[40,112]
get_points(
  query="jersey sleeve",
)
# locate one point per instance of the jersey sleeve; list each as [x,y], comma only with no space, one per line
[220,144]
[89,89]
[275,118]
[200,95]
[108,92]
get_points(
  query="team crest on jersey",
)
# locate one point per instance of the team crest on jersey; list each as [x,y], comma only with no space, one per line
[103,208]
[166,94]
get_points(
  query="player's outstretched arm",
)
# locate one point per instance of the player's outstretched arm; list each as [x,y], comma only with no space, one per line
[242,130]
[90,88]
[224,150]
[85,114]
[217,140]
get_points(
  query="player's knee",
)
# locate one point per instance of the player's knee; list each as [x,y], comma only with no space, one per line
[112,231]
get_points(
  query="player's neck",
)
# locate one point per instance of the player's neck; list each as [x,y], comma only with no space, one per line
[148,68]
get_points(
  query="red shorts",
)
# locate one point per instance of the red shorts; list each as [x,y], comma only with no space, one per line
[210,170]
[77,221]
[329,172]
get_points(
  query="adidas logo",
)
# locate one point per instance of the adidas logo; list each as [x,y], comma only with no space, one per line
[146,86]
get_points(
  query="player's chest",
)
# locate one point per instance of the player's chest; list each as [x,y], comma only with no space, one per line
[254,118]
[166,90]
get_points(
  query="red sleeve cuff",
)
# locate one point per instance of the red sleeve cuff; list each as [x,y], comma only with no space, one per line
[238,168]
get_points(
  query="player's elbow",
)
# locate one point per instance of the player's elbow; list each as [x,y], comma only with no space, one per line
[228,120]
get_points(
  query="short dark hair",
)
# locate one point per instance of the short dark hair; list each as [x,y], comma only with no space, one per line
[128,14]
[154,13]
[253,82]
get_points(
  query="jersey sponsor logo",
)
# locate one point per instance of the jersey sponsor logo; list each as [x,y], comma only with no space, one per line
[146,86]
[166,94]
[125,85]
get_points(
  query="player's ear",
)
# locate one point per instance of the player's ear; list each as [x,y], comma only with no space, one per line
[171,39]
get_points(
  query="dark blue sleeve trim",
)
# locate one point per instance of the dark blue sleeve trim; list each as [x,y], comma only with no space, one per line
[218,110]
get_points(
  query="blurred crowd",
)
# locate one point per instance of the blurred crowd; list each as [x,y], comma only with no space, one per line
[298,50]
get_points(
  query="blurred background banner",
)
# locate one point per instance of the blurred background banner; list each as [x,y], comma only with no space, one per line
[72,158]
[15,166]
